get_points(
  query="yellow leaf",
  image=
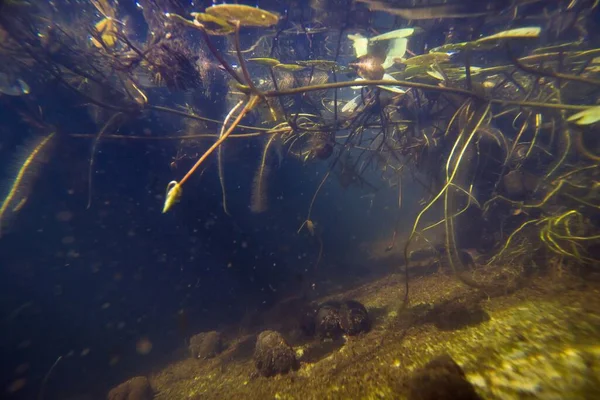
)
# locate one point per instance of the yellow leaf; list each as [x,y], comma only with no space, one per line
[290,67]
[586,117]
[427,59]
[360,44]
[245,15]
[519,33]
[397,34]
[102,25]
[213,25]
[270,62]
[106,28]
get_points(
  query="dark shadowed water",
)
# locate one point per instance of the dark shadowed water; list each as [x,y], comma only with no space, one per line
[98,285]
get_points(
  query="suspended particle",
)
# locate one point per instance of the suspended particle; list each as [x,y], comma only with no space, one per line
[143,346]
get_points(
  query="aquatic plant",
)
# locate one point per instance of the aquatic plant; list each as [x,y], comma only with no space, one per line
[510,140]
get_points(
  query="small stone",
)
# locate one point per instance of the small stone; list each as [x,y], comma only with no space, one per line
[334,319]
[355,318]
[206,345]
[137,388]
[272,354]
[328,320]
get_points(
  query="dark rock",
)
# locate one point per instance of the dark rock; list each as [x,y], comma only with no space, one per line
[355,318]
[328,320]
[441,379]
[334,319]
[205,345]
[136,388]
[272,354]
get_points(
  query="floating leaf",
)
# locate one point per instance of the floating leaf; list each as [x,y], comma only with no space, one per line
[558,47]
[518,33]
[269,62]
[586,117]
[435,74]
[427,59]
[594,65]
[246,15]
[212,24]
[397,49]
[583,54]
[489,42]
[106,28]
[419,71]
[397,34]
[107,31]
[180,19]
[452,73]
[386,77]
[392,89]
[458,10]
[352,104]
[321,64]
[357,87]
[453,47]
[360,44]
[290,67]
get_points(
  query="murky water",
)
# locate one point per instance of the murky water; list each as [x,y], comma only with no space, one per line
[286,199]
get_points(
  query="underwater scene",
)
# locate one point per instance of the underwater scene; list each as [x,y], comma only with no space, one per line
[288,199]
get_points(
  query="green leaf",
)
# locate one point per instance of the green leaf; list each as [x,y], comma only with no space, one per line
[289,67]
[397,34]
[519,33]
[269,62]
[586,117]
[245,15]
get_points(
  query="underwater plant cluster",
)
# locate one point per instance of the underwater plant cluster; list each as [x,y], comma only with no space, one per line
[487,111]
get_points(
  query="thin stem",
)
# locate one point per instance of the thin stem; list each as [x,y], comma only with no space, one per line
[386,82]
[312,202]
[423,86]
[199,118]
[220,156]
[92,156]
[551,74]
[247,108]
[243,62]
